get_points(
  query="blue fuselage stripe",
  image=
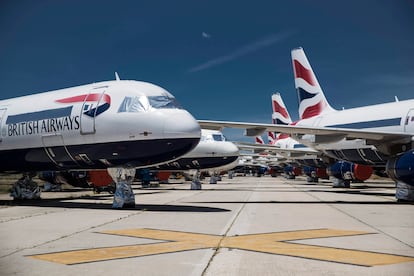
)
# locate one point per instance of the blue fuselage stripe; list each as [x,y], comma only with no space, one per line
[371,124]
[39,115]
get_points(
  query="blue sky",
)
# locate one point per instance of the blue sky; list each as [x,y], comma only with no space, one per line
[221,59]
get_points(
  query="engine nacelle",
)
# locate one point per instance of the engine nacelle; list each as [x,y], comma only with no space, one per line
[401,168]
[315,172]
[292,170]
[350,171]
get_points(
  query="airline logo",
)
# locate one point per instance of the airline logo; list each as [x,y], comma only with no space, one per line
[280,111]
[307,106]
[89,109]
[271,137]
[280,114]
[312,100]
[259,140]
[56,119]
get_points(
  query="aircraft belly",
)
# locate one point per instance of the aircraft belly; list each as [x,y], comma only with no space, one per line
[197,163]
[364,156]
[96,156]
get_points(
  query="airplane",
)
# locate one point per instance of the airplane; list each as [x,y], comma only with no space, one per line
[213,151]
[213,154]
[116,125]
[316,166]
[380,135]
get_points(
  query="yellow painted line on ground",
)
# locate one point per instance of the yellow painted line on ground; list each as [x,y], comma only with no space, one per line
[274,243]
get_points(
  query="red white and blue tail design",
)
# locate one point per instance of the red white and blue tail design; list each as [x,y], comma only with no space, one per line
[312,101]
[280,114]
[271,137]
[259,140]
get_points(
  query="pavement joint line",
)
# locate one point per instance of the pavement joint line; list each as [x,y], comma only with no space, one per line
[332,205]
[228,226]
[69,235]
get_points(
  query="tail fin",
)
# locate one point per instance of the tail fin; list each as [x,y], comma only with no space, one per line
[271,137]
[312,101]
[259,140]
[280,114]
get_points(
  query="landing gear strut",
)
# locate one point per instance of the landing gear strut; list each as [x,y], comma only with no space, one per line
[25,188]
[124,196]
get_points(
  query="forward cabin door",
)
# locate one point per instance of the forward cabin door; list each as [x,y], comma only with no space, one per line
[409,122]
[3,132]
[92,106]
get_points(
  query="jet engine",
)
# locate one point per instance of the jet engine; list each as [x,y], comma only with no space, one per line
[401,168]
[347,171]
[291,171]
[313,174]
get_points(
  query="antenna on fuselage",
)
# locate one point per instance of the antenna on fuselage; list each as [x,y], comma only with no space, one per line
[396,99]
[117,77]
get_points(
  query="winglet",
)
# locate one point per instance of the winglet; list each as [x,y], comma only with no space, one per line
[117,77]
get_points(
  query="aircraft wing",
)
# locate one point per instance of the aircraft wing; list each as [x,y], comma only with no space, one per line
[322,134]
[272,148]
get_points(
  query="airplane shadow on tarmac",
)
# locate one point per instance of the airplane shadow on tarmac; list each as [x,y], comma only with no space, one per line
[71,203]
[309,202]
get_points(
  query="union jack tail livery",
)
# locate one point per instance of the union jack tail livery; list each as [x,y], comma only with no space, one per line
[259,140]
[312,101]
[280,114]
[271,137]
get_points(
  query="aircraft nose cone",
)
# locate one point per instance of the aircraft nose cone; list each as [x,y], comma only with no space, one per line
[181,124]
[229,149]
[233,149]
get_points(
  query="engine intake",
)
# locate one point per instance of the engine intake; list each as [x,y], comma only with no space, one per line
[401,168]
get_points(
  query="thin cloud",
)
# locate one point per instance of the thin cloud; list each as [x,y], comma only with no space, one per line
[247,49]
[205,35]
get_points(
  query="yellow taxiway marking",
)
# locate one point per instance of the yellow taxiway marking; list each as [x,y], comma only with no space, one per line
[279,243]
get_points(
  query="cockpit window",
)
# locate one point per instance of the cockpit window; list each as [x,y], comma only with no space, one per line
[163,102]
[144,103]
[218,137]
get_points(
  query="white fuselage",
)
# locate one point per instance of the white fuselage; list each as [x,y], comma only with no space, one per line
[213,151]
[100,125]
[394,117]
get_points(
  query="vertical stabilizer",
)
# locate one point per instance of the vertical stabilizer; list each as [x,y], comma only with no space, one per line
[280,114]
[259,140]
[312,101]
[271,137]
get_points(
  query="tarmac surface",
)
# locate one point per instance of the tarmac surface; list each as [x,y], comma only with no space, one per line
[239,226]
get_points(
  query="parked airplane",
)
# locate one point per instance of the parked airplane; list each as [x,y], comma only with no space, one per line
[379,135]
[316,166]
[212,151]
[111,124]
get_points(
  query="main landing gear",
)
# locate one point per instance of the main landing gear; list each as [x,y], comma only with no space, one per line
[25,188]
[124,196]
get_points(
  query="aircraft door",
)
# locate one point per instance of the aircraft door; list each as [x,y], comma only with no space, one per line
[90,109]
[57,151]
[409,122]
[3,132]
